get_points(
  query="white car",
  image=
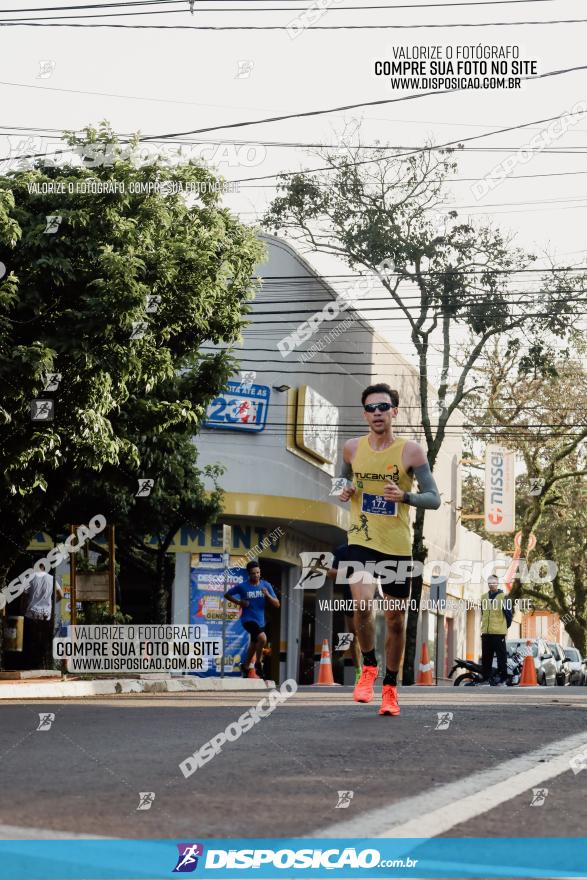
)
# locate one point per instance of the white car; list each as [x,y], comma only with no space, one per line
[575,665]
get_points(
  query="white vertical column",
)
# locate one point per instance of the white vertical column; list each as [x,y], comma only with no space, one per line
[293,625]
[180,591]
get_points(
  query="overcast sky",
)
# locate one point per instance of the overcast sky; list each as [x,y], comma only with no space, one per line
[160,81]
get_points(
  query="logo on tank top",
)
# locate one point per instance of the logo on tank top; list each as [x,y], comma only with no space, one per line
[392,473]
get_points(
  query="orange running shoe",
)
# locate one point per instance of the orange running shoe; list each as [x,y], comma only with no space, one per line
[389,703]
[363,692]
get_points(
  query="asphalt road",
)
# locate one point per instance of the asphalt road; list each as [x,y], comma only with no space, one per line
[84,774]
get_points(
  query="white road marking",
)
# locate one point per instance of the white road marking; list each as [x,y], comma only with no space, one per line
[438,810]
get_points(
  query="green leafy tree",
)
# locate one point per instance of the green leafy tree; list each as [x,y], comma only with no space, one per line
[181,494]
[539,410]
[451,283]
[78,302]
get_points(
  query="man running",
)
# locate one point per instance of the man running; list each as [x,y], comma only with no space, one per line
[251,597]
[382,468]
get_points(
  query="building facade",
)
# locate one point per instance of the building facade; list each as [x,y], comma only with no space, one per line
[279,431]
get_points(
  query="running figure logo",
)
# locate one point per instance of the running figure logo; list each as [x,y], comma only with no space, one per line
[46,68]
[444,719]
[244,68]
[364,527]
[146,799]
[247,381]
[345,640]
[46,719]
[188,857]
[246,411]
[314,570]
[139,328]
[145,486]
[344,799]
[52,381]
[53,222]
[338,484]
[539,795]
[394,475]
[42,410]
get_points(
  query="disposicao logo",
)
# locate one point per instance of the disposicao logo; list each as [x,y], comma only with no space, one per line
[187,860]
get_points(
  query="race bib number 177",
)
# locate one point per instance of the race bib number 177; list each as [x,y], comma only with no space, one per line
[376,504]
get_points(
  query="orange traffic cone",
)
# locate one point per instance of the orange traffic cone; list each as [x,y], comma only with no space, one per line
[325,676]
[528,678]
[251,673]
[425,668]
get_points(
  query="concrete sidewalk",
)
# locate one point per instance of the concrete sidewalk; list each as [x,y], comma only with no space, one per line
[42,688]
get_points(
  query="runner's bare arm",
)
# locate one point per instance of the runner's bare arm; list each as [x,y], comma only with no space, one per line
[349,449]
[273,600]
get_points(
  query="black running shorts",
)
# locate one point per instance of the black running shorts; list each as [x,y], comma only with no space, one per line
[254,629]
[399,583]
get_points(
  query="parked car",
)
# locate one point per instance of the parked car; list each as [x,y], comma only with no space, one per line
[543,658]
[563,669]
[576,666]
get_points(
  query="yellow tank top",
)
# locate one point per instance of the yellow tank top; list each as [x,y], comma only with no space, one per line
[376,523]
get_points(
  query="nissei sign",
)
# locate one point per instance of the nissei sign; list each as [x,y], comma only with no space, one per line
[500,490]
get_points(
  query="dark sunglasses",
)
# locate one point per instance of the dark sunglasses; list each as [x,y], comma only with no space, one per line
[382,407]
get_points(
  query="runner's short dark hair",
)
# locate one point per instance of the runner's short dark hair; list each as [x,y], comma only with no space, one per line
[254,563]
[380,388]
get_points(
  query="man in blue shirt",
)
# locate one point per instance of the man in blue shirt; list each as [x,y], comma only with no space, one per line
[251,597]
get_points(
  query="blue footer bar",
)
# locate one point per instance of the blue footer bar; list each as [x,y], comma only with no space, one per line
[258,859]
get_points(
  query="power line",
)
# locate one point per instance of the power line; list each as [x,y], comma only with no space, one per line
[313,27]
[324,277]
[91,16]
[261,9]
[410,6]
[57,133]
[278,427]
[416,299]
[309,113]
[99,6]
[335,321]
[367,312]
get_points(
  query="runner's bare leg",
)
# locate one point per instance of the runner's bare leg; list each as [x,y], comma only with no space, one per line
[364,619]
[394,638]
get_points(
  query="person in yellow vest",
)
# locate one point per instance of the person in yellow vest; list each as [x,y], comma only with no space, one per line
[380,469]
[496,617]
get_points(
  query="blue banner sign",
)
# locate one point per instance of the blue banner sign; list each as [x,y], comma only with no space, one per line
[206,606]
[240,408]
[270,859]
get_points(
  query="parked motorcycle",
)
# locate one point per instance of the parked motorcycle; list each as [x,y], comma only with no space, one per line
[474,671]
